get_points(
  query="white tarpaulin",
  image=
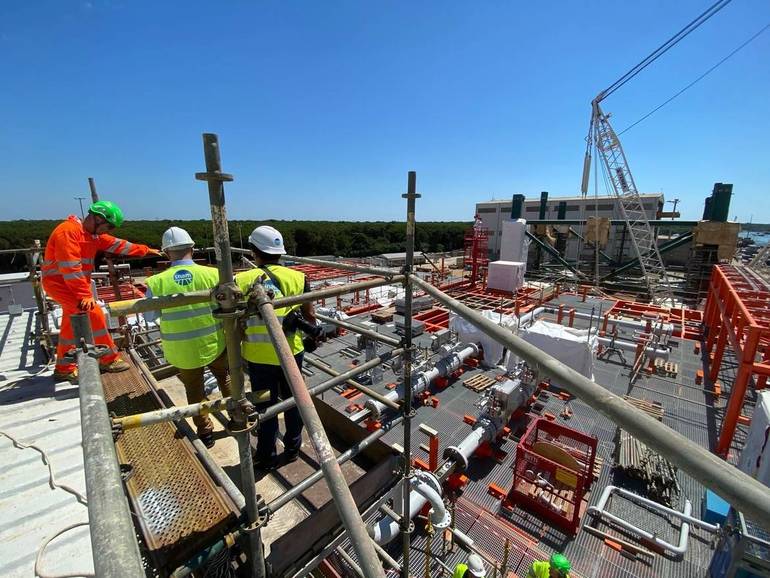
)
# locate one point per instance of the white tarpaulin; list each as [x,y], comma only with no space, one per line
[755,456]
[467,332]
[506,275]
[573,347]
[514,243]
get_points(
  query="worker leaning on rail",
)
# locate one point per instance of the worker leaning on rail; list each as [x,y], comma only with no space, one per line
[268,382]
[475,568]
[66,270]
[557,567]
[192,338]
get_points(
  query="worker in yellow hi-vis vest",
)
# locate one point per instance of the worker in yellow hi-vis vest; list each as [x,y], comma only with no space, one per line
[268,382]
[192,338]
[557,567]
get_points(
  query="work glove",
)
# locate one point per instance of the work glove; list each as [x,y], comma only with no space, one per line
[154,252]
[87,304]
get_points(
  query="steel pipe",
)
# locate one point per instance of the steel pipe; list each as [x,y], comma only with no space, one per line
[355,385]
[117,308]
[289,403]
[360,330]
[743,492]
[110,525]
[226,295]
[343,266]
[411,197]
[174,413]
[338,487]
[316,476]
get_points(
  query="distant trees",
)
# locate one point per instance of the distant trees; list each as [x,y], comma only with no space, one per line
[342,238]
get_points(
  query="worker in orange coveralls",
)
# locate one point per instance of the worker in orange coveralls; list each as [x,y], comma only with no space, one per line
[66,271]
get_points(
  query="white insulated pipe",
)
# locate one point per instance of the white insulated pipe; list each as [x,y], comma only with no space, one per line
[657,328]
[424,488]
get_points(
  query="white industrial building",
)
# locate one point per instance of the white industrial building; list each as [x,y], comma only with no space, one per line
[493,213]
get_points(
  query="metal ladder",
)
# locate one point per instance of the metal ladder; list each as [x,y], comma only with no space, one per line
[641,233]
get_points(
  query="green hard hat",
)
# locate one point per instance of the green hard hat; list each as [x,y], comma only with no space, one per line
[560,563]
[109,210]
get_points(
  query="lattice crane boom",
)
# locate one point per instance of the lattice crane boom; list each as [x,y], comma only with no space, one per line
[640,231]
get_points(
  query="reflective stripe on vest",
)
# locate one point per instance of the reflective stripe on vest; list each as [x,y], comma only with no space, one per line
[191,336]
[257,346]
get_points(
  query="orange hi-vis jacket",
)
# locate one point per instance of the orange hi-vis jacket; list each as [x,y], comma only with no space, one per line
[66,271]
[70,253]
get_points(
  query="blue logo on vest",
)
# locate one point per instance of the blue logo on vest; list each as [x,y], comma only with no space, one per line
[183,277]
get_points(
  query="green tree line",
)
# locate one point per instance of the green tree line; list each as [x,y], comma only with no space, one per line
[303,238]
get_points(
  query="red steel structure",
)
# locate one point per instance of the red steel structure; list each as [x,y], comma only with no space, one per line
[477,251]
[737,311]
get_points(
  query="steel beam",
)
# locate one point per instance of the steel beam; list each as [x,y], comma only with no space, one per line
[743,492]
[554,253]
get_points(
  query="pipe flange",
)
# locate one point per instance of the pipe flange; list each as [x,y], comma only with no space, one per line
[453,453]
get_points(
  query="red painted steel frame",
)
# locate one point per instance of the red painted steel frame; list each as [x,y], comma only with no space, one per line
[737,311]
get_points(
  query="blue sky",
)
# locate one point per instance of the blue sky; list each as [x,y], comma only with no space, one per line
[323,107]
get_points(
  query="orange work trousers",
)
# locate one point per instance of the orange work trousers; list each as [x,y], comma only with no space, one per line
[67,340]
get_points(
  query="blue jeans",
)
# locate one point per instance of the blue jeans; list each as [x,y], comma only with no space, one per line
[271,377]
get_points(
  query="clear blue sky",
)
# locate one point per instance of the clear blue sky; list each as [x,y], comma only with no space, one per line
[323,107]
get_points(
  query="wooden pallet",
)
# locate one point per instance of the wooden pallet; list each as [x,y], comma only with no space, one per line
[668,368]
[479,383]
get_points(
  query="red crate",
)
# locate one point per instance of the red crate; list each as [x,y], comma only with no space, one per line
[550,489]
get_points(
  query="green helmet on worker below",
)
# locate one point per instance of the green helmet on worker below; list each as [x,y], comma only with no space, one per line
[560,563]
[109,210]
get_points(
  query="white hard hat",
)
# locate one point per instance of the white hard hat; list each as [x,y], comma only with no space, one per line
[176,238]
[476,566]
[268,240]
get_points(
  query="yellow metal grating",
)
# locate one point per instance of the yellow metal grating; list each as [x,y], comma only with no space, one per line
[179,508]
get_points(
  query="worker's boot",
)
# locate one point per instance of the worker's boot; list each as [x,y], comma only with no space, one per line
[115,367]
[71,376]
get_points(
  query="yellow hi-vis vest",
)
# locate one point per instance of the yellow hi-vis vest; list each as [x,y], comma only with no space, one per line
[256,345]
[540,569]
[191,336]
[460,571]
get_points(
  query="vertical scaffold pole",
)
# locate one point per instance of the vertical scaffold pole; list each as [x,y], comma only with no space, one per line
[406,523]
[228,296]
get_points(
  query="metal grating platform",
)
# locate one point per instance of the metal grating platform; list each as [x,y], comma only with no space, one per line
[177,505]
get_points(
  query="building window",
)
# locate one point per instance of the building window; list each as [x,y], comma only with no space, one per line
[485,210]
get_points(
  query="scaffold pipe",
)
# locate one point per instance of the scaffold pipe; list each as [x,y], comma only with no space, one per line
[338,487]
[112,530]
